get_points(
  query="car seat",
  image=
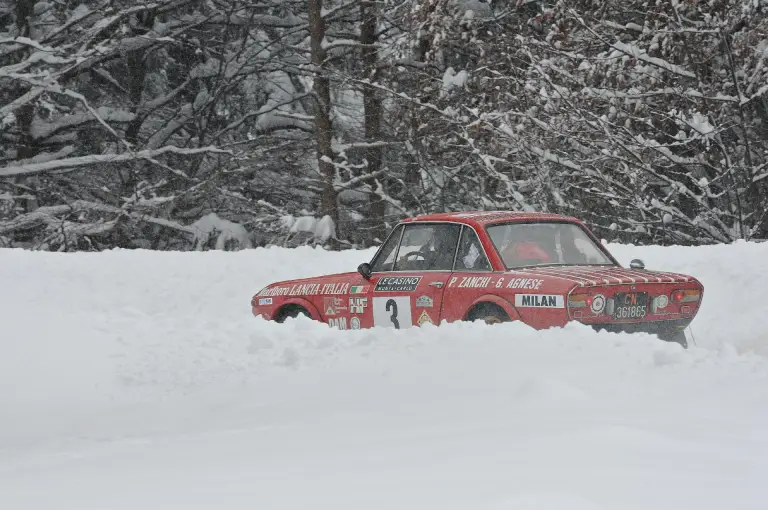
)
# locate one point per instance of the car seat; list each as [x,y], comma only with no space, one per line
[523,253]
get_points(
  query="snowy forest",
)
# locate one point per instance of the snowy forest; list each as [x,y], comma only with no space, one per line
[225,124]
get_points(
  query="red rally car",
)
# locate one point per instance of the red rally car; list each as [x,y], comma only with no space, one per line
[539,268]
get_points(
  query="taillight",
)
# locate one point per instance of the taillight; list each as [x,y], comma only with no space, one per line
[595,303]
[686,296]
[579,301]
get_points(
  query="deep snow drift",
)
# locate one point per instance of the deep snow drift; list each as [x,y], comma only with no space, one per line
[139,380]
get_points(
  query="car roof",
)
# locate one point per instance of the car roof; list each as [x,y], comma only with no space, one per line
[480,218]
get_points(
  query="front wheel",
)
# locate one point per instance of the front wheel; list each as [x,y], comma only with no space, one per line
[291,312]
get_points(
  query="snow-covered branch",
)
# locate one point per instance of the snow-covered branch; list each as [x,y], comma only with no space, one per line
[69,164]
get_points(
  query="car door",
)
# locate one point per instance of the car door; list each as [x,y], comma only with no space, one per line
[472,277]
[410,274]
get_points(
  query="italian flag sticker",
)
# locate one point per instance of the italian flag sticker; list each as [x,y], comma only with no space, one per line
[356,289]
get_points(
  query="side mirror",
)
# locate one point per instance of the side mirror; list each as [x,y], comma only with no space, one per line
[365,270]
[637,264]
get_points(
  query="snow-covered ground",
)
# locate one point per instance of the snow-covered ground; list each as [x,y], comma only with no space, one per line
[139,380]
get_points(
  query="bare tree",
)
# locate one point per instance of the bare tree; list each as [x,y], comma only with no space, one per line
[175,124]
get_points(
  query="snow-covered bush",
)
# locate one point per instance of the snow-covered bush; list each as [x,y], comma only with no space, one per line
[214,232]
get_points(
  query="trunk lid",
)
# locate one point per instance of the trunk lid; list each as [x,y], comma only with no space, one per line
[594,276]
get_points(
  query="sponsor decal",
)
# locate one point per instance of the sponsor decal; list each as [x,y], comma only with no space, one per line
[308,289]
[525,283]
[275,291]
[476,282]
[397,283]
[598,304]
[424,318]
[335,288]
[340,323]
[358,289]
[333,305]
[424,302]
[358,304]
[539,301]
[354,323]
[265,301]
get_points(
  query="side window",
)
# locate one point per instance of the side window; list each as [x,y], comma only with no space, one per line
[471,256]
[386,257]
[428,247]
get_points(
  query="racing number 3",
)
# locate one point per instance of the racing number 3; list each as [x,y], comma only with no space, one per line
[391,303]
[392,312]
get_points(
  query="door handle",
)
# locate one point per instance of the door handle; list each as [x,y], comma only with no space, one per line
[436,284]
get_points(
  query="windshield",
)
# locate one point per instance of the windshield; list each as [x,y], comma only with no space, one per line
[545,244]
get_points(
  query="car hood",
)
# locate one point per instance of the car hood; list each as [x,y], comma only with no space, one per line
[336,279]
[591,276]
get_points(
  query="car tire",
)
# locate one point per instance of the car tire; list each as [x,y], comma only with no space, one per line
[677,337]
[488,313]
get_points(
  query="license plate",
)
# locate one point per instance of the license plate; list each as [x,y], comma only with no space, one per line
[630,305]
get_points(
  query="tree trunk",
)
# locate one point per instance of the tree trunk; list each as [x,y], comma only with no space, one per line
[322,112]
[27,147]
[24,9]
[134,61]
[372,114]
[412,176]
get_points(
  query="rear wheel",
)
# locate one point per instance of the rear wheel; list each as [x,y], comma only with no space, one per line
[488,313]
[290,312]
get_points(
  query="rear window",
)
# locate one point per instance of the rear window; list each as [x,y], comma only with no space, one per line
[545,243]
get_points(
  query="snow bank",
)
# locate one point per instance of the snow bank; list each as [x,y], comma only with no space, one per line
[135,379]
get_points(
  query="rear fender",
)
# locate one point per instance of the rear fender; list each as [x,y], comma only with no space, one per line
[505,305]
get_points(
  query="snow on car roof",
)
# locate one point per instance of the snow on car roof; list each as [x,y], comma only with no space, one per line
[484,217]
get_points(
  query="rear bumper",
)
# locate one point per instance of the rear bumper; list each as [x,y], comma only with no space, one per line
[664,329]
